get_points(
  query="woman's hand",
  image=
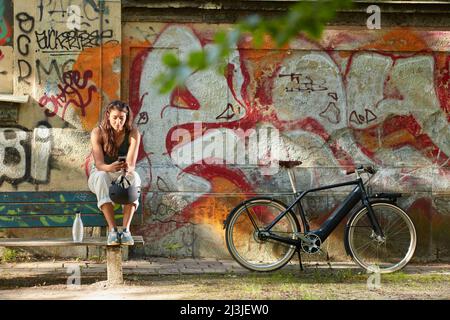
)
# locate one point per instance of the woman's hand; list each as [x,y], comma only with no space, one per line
[127,168]
[117,166]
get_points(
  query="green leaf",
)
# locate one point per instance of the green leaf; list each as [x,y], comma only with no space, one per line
[166,83]
[221,38]
[197,60]
[221,68]
[171,60]
[307,17]
[258,39]
[252,22]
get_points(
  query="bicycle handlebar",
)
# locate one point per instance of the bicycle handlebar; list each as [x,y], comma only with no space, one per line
[368,169]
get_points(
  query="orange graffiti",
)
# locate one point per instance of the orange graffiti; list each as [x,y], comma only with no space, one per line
[267,57]
[108,82]
[400,40]
[368,139]
[397,138]
[214,210]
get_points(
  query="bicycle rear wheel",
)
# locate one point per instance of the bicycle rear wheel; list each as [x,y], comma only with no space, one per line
[387,254]
[242,238]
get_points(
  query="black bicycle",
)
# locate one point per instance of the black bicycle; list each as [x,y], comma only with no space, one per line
[262,233]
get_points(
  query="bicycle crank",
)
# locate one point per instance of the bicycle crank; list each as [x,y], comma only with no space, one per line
[311,243]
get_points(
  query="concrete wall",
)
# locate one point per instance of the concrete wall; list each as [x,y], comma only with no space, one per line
[68,75]
[377,97]
[357,96]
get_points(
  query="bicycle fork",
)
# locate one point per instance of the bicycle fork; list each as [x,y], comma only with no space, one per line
[373,220]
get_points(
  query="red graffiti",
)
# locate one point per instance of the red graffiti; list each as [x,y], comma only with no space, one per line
[253,94]
[71,93]
[443,86]
[183,98]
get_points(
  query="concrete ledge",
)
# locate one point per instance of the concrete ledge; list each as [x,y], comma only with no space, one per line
[21,242]
[169,267]
[14,98]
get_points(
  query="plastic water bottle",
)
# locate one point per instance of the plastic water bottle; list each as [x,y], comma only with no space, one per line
[77,228]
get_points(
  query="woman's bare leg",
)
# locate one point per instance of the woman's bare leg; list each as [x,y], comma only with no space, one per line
[108,212]
[128,211]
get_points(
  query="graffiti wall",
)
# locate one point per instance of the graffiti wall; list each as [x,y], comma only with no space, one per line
[6,50]
[358,97]
[66,58]
[6,23]
[64,50]
[377,97]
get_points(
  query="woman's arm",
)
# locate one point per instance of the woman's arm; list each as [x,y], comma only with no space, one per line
[97,151]
[135,140]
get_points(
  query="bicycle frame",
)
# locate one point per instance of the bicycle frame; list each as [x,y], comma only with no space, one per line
[357,194]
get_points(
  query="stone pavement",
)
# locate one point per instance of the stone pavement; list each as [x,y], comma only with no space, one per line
[166,266]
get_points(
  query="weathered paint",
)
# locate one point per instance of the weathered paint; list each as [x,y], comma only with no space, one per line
[6,69]
[6,26]
[363,97]
[53,209]
[68,71]
[377,97]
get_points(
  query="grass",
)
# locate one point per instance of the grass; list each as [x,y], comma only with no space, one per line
[97,259]
[15,255]
[418,278]
[312,284]
[9,255]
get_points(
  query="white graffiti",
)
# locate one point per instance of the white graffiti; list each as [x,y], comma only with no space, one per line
[325,106]
[307,85]
[325,99]
[25,156]
[209,89]
[12,153]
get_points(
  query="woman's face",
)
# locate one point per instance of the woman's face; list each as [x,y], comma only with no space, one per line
[117,119]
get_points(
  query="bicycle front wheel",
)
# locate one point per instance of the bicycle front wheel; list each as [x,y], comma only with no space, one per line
[381,254]
[244,244]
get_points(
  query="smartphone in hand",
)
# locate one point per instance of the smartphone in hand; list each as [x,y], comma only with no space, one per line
[122,159]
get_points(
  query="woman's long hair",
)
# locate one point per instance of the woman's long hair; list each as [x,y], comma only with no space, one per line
[109,142]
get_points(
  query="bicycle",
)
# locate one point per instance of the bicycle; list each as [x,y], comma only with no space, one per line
[263,233]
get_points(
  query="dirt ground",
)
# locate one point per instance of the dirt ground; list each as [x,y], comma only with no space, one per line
[312,284]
